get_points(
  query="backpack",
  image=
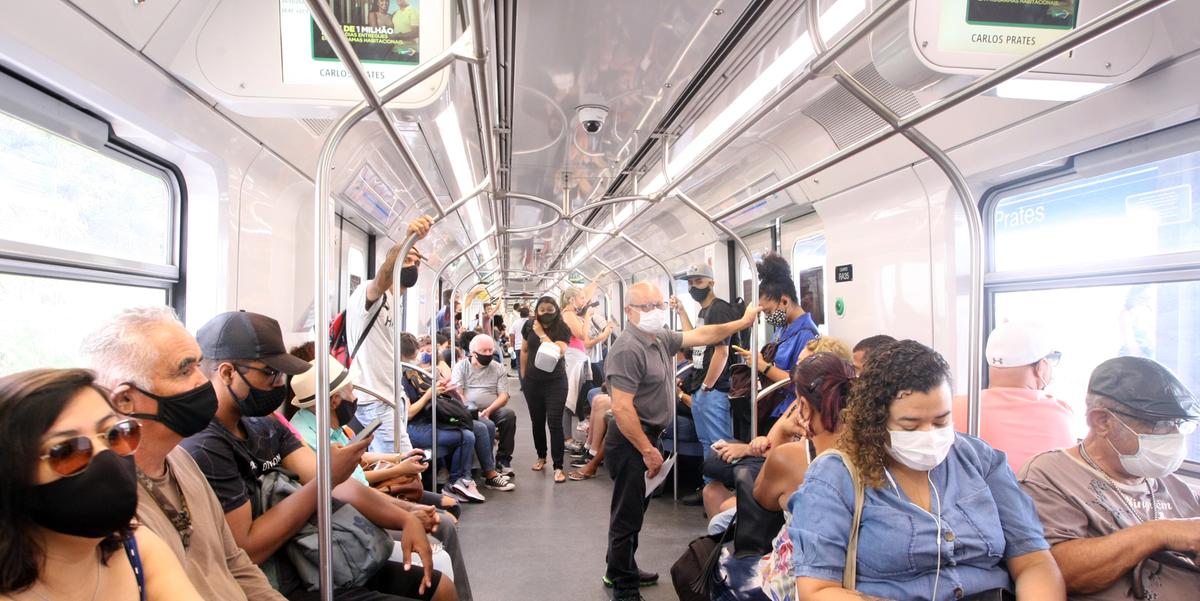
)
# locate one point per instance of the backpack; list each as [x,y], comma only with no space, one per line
[692,574]
[742,337]
[338,345]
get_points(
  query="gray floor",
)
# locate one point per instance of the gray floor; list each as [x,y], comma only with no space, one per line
[546,541]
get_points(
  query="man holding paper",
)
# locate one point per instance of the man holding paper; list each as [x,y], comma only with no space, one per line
[641,380]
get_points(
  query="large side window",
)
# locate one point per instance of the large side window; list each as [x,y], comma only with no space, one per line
[86,229]
[1107,256]
[808,261]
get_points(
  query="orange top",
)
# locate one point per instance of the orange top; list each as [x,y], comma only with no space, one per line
[1019,421]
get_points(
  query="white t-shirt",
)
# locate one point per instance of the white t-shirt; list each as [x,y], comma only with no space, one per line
[518,325]
[373,369]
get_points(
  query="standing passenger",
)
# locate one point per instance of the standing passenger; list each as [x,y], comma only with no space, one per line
[577,314]
[546,389]
[517,339]
[641,378]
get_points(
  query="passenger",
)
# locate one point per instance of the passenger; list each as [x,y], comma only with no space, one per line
[546,390]
[1021,361]
[866,346]
[589,465]
[376,355]
[577,314]
[458,444]
[152,366]
[793,325]
[244,358]
[923,483]
[1121,524]
[447,311]
[66,504]
[517,340]
[640,378]
[341,407]
[710,365]
[481,379]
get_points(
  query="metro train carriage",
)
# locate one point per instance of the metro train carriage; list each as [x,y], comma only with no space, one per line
[669,299]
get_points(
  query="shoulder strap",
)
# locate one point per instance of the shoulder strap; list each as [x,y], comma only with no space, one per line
[135,561]
[850,574]
[370,322]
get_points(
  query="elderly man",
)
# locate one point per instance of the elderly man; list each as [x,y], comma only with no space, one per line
[641,381]
[152,366]
[1121,525]
[1021,360]
[480,379]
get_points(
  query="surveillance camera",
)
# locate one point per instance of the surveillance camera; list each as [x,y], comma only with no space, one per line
[592,117]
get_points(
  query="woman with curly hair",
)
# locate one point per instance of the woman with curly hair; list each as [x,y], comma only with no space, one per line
[942,517]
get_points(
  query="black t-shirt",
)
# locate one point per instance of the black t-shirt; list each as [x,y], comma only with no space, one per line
[559,332]
[232,465]
[717,312]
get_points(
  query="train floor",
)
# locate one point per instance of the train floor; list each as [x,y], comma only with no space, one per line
[546,541]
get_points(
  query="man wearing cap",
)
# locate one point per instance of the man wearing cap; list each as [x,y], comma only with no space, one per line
[1120,523]
[369,320]
[708,381]
[246,361]
[1017,415]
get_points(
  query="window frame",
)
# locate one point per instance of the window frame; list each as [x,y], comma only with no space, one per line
[1154,269]
[28,102]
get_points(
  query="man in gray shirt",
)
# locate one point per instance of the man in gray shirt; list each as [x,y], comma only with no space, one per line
[641,381]
[480,377]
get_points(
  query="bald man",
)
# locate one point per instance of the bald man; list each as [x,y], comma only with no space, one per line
[641,381]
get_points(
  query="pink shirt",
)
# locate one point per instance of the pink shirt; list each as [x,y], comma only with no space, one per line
[1019,421]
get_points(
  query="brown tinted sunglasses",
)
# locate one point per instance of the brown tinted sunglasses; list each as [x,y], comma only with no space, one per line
[73,455]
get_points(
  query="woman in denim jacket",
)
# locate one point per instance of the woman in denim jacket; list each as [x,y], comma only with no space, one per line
[943,517]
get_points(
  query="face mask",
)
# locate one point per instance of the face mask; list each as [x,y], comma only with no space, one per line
[777,318]
[259,403]
[345,412]
[484,360]
[652,321]
[110,488]
[921,450]
[547,318]
[426,357]
[1158,455]
[408,276]
[698,294]
[185,414]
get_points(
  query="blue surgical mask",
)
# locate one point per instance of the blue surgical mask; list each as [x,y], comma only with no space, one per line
[426,357]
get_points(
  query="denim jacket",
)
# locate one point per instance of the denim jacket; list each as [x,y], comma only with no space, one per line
[985,519]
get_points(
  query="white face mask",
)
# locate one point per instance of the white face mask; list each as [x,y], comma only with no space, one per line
[652,321]
[921,450]
[1158,455]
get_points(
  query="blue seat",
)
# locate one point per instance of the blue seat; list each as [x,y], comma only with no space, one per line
[689,442]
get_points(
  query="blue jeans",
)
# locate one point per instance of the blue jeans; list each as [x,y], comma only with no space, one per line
[456,444]
[485,433]
[710,411]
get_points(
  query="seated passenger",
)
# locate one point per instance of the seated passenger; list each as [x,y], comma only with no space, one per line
[923,484]
[1021,361]
[480,378]
[866,346]
[172,400]
[68,494]
[454,443]
[1121,524]
[245,360]
[589,464]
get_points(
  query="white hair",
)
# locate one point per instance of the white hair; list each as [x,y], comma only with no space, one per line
[118,352]
[480,339]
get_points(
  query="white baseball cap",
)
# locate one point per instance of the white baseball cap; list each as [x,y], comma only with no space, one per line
[1017,343]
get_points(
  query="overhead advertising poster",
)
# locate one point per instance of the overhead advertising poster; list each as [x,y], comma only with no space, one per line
[1056,14]
[385,34]
[1003,26]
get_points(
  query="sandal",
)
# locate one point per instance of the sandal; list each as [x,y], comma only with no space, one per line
[539,465]
[580,475]
[559,477]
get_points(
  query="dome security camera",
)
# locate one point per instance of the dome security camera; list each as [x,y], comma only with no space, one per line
[592,117]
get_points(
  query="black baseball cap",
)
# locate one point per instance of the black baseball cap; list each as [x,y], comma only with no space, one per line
[241,335]
[1146,387]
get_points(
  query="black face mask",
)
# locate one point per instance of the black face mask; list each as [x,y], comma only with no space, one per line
[698,294]
[94,503]
[484,360]
[185,414]
[547,319]
[408,276]
[345,412]
[259,403]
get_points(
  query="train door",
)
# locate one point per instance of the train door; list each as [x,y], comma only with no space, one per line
[352,259]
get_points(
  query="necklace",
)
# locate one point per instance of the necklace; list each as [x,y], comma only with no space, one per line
[94,591]
[1125,500]
[181,519]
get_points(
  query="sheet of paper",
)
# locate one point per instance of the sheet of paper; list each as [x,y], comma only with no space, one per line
[653,483]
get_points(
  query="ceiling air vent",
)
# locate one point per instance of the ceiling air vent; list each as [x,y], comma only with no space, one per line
[317,127]
[847,120]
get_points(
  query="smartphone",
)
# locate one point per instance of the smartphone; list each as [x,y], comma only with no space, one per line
[367,431]
[716,446]
[738,348]
[424,457]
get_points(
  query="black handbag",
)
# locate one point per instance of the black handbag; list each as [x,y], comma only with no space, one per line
[755,527]
[692,573]
[451,412]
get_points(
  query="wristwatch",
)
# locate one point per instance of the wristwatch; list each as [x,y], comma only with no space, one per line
[707,388]
[765,368]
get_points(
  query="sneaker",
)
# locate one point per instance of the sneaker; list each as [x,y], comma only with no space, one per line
[507,470]
[644,579]
[467,488]
[583,460]
[573,448]
[500,482]
[448,491]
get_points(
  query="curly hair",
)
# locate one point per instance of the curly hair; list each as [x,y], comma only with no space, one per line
[828,344]
[775,278]
[897,368]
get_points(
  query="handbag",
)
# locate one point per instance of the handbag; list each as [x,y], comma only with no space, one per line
[451,412]
[755,527]
[547,357]
[402,487]
[692,573]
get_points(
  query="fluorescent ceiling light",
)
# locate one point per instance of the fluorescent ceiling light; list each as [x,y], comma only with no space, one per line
[1047,89]
[460,164]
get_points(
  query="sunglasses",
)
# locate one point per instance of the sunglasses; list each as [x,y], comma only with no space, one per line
[73,455]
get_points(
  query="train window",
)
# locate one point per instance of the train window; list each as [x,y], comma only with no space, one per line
[1108,256]
[808,260]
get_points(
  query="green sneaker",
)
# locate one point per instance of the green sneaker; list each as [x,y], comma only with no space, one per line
[644,579]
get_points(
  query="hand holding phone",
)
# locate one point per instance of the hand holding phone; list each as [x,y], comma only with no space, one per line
[739,349]
[367,431]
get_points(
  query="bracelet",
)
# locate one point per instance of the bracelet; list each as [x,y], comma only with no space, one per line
[766,368]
